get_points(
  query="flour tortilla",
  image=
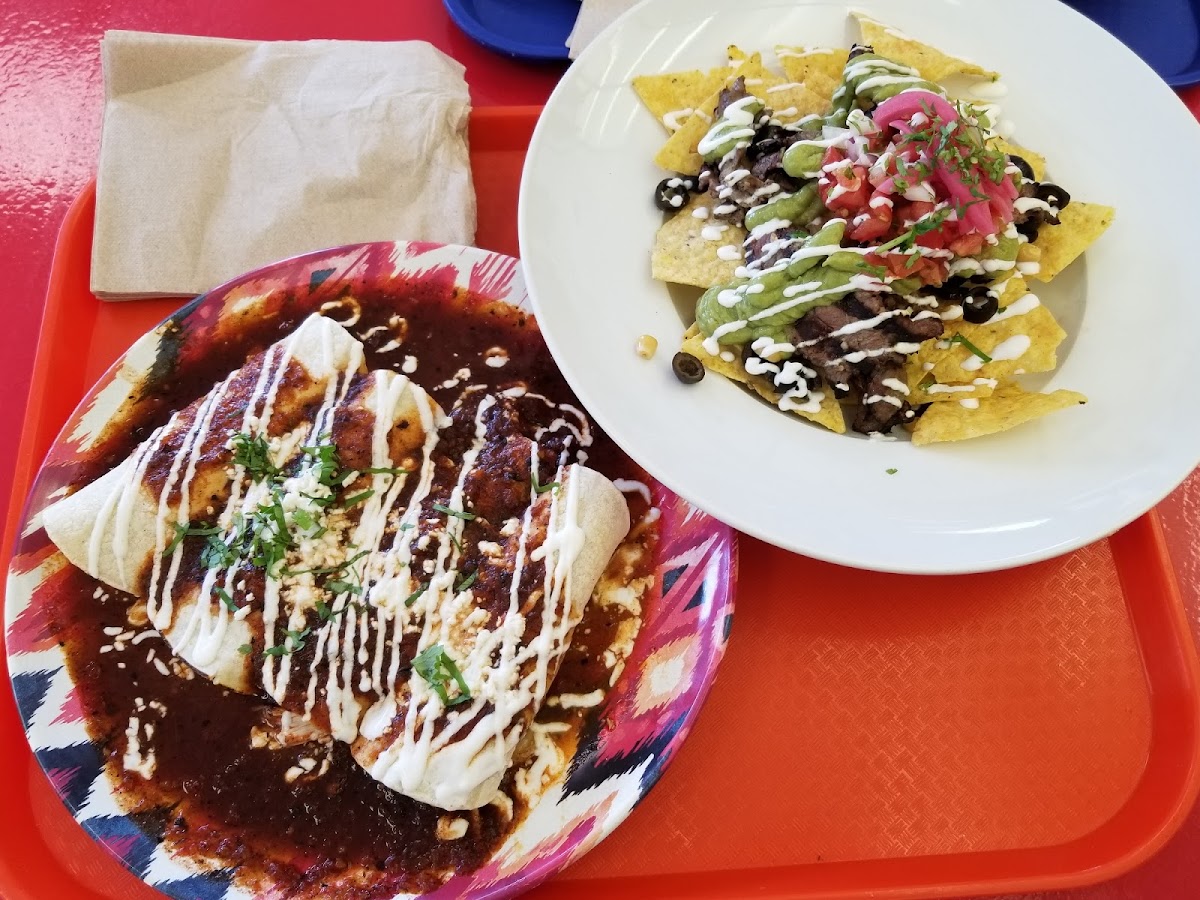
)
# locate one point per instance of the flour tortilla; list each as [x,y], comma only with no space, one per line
[321,346]
[465,777]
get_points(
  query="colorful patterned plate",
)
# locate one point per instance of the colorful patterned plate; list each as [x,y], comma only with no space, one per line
[646,716]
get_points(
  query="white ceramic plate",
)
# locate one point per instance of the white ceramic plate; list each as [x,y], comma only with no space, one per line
[1113,133]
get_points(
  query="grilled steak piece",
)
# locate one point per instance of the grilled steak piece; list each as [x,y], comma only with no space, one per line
[767,249]
[857,358]
[751,175]
[732,94]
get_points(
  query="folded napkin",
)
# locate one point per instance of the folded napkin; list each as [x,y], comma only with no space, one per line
[218,156]
[594,17]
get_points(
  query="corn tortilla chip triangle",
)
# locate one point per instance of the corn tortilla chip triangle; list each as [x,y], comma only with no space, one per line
[679,154]
[683,255]
[788,100]
[829,415]
[922,390]
[804,63]
[931,63]
[1079,226]
[674,96]
[1007,408]
[1024,337]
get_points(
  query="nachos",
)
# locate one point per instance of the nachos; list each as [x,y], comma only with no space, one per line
[865,238]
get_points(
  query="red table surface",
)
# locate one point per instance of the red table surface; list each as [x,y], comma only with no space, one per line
[50,104]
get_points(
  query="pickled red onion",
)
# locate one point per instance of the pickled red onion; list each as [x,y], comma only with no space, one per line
[898,111]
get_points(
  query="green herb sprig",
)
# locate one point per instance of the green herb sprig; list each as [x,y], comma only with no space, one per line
[542,488]
[959,339]
[437,668]
[251,452]
[292,642]
[457,513]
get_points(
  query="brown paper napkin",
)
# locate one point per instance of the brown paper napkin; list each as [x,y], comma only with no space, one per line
[218,156]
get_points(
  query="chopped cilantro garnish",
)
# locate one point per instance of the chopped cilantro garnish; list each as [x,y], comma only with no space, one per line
[384,470]
[458,514]
[924,225]
[454,541]
[245,649]
[251,452]
[467,582]
[326,612]
[959,339]
[891,471]
[437,668]
[303,518]
[292,641]
[341,586]
[186,529]
[224,597]
[358,498]
[412,598]
[217,554]
[277,512]
[328,570]
[542,488]
[328,466]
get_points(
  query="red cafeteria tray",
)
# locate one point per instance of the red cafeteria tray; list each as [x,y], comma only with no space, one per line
[868,734]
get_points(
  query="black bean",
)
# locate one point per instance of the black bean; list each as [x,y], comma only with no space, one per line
[687,368]
[979,307]
[1026,168]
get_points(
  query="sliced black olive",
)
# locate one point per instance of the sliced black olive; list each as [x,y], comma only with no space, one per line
[687,368]
[980,307]
[1052,194]
[672,194]
[1029,228]
[1026,168]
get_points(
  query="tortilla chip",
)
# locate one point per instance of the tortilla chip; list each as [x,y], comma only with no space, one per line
[1036,161]
[1080,225]
[931,63]
[921,389]
[830,414]
[817,68]
[1014,289]
[678,92]
[1008,407]
[1036,329]
[682,255]
[789,100]
[941,365]
[679,154]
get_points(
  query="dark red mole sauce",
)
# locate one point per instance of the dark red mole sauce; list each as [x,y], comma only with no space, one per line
[212,795]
